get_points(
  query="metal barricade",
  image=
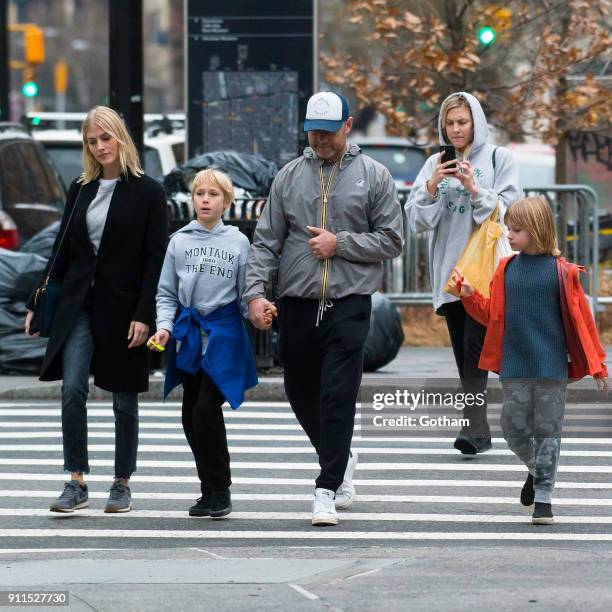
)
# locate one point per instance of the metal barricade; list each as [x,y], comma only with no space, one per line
[406,278]
[576,211]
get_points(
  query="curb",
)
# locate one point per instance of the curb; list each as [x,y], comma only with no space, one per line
[272,390]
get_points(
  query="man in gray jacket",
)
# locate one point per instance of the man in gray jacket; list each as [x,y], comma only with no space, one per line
[331,218]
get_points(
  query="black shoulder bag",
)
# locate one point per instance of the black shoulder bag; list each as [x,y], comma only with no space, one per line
[49,293]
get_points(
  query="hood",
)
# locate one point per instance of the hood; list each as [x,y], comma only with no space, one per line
[219,230]
[481,129]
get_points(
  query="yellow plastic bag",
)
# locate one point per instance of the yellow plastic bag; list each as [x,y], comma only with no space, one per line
[477,262]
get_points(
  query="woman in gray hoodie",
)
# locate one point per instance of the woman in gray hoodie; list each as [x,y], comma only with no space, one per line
[449,200]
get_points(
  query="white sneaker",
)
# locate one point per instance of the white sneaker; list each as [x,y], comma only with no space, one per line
[346,491]
[323,510]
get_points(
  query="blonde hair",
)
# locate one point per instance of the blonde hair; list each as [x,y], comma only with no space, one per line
[108,120]
[534,215]
[217,178]
[456,101]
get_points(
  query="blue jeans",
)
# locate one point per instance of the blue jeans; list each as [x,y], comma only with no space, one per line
[76,361]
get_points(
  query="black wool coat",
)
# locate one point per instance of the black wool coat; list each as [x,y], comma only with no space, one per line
[125,275]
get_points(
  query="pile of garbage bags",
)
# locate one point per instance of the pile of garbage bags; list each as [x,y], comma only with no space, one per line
[20,274]
[252,176]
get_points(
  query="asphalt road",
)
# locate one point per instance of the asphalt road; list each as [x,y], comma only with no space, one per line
[429,529]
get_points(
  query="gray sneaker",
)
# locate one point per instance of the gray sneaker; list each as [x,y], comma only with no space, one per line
[73,497]
[120,498]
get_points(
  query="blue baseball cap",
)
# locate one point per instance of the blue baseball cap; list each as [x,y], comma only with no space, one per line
[326,111]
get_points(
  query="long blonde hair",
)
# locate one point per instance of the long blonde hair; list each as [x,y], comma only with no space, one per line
[456,101]
[534,215]
[108,120]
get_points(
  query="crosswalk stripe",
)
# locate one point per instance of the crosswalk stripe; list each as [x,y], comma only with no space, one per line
[305,516]
[313,534]
[298,450]
[93,426]
[270,466]
[270,438]
[305,482]
[283,497]
[282,466]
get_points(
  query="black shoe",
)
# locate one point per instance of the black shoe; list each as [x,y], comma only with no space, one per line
[220,503]
[527,492]
[201,507]
[542,515]
[472,446]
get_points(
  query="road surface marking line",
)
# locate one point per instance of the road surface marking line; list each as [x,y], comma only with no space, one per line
[315,534]
[304,592]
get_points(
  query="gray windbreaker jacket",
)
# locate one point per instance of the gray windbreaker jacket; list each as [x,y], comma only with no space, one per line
[452,216]
[364,213]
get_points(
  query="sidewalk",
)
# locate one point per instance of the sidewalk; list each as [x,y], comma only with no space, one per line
[411,367]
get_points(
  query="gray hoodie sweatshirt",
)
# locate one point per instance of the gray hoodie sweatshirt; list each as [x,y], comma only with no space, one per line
[364,213]
[451,216]
[202,268]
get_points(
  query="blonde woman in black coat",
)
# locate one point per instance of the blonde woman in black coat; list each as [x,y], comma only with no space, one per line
[110,263]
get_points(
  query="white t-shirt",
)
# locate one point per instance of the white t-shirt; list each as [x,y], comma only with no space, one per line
[98,211]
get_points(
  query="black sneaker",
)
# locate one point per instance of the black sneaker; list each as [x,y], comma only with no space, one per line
[542,515]
[120,498]
[472,446]
[220,503]
[201,507]
[74,497]
[527,492]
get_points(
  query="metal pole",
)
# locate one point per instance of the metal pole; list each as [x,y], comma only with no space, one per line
[126,65]
[5,81]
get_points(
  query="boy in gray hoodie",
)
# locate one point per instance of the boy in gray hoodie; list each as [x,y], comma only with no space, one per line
[450,199]
[198,304]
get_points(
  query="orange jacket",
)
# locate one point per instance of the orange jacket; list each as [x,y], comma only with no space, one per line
[586,354]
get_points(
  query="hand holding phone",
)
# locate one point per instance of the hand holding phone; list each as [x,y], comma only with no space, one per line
[448,154]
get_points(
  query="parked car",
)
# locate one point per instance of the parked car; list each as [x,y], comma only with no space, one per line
[162,153]
[31,191]
[403,159]
[536,163]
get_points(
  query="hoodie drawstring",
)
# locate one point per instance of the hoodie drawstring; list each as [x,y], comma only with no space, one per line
[324,303]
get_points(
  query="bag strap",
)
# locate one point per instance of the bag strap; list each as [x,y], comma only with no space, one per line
[61,242]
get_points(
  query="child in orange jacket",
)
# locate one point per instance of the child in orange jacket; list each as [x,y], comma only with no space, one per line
[536,317]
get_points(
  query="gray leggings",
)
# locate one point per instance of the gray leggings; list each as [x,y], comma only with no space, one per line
[531,422]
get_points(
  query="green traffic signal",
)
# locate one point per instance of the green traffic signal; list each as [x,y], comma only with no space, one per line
[29,89]
[486,35]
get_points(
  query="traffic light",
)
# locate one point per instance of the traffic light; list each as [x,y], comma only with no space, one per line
[486,35]
[34,44]
[29,89]
[498,24]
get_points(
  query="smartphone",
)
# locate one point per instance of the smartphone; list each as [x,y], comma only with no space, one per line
[448,153]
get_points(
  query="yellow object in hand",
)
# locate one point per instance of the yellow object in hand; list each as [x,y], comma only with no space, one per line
[157,347]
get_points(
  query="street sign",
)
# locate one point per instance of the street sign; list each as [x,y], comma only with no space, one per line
[250,71]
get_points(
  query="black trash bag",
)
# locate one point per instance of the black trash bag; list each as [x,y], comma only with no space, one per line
[386,335]
[252,173]
[19,354]
[42,243]
[20,274]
